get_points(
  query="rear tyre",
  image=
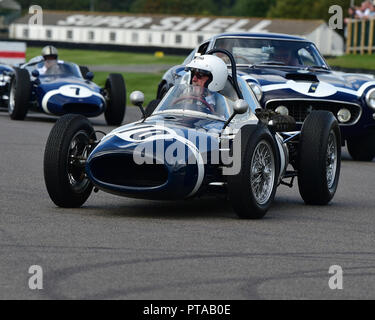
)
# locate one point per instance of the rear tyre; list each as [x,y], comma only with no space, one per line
[319,158]
[253,189]
[362,149]
[151,107]
[64,161]
[19,94]
[116,99]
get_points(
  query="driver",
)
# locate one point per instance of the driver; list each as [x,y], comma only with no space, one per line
[285,55]
[50,56]
[209,72]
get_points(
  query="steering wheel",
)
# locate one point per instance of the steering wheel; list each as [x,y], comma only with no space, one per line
[195,98]
[242,58]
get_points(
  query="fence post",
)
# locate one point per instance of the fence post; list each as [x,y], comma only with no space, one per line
[363,35]
[349,36]
[355,40]
[371,35]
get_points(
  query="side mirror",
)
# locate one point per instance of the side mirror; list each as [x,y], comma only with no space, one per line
[240,106]
[89,76]
[137,98]
[35,73]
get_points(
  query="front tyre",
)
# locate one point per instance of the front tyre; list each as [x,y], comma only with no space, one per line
[252,190]
[19,94]
[115,92]
[319,158]
[64,161]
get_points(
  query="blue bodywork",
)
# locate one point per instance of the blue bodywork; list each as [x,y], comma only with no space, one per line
[111,165]
[50,98]
[179,146]
[5,76]
[63,90]
[5,69]
[342,90]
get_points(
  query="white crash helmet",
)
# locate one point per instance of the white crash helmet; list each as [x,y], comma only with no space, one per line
[214,67]
[49,51]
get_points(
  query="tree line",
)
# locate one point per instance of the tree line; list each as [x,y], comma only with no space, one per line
[292,9]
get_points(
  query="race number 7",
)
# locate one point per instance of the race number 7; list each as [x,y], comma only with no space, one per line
[77,89]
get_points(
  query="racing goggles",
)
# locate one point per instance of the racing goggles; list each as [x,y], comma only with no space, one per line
[199,73]
[50,57]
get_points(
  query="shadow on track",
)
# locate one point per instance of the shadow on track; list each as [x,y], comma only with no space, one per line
[207,208]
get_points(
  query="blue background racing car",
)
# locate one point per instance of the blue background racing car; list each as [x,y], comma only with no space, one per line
[65,88]
[289,76]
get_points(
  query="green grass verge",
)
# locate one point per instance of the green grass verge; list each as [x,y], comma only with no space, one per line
[147,83]
[354,61]
[96,57]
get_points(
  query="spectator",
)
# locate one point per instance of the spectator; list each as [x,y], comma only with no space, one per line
[351,12]
[365,11]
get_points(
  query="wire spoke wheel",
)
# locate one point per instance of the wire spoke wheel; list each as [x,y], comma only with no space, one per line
[331,159]
[77,155]
[262,172]
[253,189]
[12,95]
[68,147]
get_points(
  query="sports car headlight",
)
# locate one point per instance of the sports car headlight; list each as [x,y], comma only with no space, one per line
[257,89]
[344,115]
[370,98]
[282,110]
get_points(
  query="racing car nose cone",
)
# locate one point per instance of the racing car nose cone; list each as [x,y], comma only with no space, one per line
[124,165]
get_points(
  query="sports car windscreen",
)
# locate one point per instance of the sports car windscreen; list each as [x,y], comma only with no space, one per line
[196,100]
[252,51]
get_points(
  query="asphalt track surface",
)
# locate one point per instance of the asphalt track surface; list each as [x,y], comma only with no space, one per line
[119,248]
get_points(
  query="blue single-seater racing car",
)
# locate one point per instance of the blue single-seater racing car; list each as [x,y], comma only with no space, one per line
[6,73]
[214,139]
[65,88]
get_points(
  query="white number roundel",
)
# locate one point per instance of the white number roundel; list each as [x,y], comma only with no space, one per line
[75,91]
[319,89]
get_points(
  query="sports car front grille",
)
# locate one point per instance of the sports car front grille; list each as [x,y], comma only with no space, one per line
[121,170]
[299,109]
